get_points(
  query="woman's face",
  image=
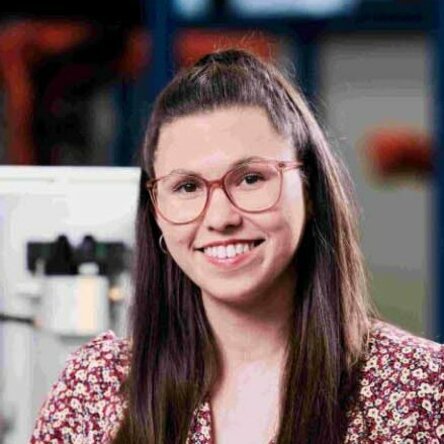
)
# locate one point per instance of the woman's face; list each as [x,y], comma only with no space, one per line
[209,144]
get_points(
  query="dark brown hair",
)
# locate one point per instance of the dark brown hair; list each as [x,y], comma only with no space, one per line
[174,357]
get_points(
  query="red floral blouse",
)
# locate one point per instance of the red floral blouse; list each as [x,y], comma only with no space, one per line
[401,397]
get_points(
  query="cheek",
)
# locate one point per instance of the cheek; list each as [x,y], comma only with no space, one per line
[178,239]
[289,223]
[293,201]
[283,227]
[289,229]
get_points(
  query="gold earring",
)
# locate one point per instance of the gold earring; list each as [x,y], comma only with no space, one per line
[164,249]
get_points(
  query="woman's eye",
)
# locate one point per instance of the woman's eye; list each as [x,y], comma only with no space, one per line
[252,178]
[186,187]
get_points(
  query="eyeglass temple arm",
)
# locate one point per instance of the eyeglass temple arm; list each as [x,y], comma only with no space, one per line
[290,165]
[150,183]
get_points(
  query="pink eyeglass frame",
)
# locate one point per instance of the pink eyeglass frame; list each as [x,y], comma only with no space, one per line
[280,165]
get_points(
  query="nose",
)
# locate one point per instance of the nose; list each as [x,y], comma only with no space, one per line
[220,213]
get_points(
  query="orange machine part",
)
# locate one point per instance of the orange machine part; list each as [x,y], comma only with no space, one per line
[398,152]
[25,43]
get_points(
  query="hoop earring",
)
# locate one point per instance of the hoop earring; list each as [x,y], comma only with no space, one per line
[164,249]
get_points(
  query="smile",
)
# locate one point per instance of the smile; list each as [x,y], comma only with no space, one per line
[230,250]
[231,255]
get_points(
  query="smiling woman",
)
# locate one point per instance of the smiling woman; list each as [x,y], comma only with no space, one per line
[257,203]
[250,320]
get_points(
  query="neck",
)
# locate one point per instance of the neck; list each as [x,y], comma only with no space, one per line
[253,334]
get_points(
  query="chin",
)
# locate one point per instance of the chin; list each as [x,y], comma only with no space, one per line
[235,295]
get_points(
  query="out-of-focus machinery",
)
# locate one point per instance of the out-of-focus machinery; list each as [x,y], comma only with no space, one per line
[66,241]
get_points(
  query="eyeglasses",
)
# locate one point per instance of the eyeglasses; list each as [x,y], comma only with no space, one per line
[252,187]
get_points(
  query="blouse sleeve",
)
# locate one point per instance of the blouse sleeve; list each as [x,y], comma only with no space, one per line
[77,406]
[439,398]
[401,397]
[426,376]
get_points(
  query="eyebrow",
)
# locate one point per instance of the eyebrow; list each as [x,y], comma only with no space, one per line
[234,164]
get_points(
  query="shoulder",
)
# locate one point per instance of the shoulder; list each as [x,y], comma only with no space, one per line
[401,363]
[402,386]
[85,402]
[104,359]
[391,345]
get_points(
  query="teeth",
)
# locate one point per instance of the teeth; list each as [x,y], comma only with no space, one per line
[228,251]
[231,251]
[221,252]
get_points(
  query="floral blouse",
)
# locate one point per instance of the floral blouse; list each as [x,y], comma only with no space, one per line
[401,395]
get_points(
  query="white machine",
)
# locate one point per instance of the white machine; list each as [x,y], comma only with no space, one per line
[66,237]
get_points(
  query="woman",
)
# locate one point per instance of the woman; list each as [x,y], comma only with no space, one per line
[250,322]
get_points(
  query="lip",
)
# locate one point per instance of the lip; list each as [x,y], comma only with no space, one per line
[230,241]
[236,261]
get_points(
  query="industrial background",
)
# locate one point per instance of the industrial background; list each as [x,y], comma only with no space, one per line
[76,87]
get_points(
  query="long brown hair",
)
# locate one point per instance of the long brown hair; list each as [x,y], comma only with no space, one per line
[174,359]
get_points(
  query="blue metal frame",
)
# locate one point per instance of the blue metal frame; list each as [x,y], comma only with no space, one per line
[161,22]
[305,44]
[133,100]
[438,207]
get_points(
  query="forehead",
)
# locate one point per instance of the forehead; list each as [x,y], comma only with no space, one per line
[213,140]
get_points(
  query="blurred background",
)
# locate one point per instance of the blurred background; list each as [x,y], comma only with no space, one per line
[76,86]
